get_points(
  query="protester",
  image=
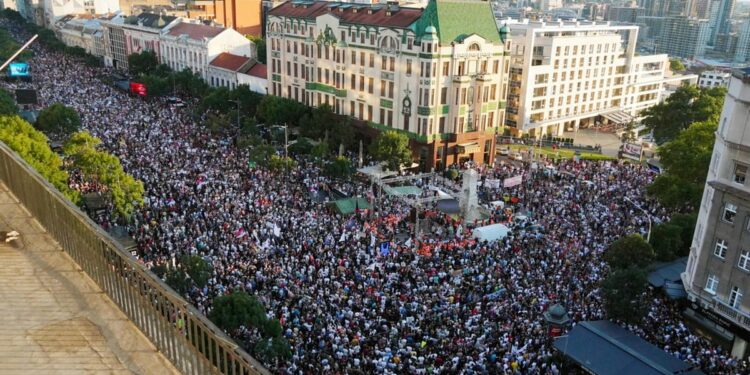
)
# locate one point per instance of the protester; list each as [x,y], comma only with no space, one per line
[437,303]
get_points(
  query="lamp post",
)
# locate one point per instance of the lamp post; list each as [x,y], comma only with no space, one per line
[648,215]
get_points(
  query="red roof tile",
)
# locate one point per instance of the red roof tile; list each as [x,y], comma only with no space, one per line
[258,70]
[229,61]
[195,31]
[403,17]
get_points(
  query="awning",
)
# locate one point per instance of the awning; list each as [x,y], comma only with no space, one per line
[604,348]
[619,117]
[350,205]
[403,190]
[468,148]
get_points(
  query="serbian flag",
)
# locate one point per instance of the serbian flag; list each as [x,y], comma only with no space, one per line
[240,232]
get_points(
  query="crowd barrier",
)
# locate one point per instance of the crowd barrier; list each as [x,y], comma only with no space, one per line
[187,338]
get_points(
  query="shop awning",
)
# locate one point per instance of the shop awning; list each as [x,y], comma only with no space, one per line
[468,148]
[604,348]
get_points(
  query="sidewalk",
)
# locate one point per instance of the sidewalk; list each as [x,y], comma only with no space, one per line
[53,318]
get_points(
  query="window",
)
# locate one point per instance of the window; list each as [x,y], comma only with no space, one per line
[744,262]
[730,211]
[740,172]
[720,250]
[408,67]
[735,297]
[712,283]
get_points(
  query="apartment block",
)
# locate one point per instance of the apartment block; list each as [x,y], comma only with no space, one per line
[718,268]
[684,37]
[566,75]
[437,74]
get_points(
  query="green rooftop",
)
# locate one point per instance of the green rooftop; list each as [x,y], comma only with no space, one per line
[455,20]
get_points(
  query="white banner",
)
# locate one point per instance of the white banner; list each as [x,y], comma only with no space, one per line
[513,181]
[492,183]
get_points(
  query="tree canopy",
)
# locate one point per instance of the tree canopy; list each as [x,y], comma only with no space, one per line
[32,146]
[629,251]
[623,290]
[392,148]
[127,192]
[7,104]
[676,65]
[58,119]
[685,106]
[260,46]
[686,160]
[145,62]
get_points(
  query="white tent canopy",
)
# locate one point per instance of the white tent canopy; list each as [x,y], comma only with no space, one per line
[491,232]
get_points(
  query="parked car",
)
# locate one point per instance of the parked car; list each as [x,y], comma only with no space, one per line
[175,101]
[504,151]
[517,156]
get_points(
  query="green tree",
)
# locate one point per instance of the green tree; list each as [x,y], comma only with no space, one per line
[340,167]
[260,46]
[629,251]
[301,147]
[237,309]
[190,83]
[685,106]
[58,119]
[685,160]
[666,240]
[7,104]
[392,148]
[320,150]
[273,348]
[280,163]
[127,192]
[32,146]
[156,85]
[198,269]
[178,279]
[219,99]
[623,294]
[261,154]
[686,222]
[676,65]
[217,122]
[145,62]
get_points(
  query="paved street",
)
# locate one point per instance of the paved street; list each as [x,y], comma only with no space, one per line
[610,142]
[54,319]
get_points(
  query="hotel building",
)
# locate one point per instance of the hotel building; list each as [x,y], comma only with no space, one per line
[566,75]
[437,74]
[718,268]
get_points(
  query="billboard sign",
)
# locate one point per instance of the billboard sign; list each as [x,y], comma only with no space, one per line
[18,70]
[632,151]
[137,88]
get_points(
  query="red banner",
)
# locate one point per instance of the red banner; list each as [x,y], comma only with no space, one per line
[137,88]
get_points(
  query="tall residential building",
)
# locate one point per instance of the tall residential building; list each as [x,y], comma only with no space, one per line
[720,16]
[742,50]
[718,268]
[438,74]
[683,37]
[566,75]
[624,14]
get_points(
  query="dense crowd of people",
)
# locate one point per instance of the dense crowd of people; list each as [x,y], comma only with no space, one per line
[442,303]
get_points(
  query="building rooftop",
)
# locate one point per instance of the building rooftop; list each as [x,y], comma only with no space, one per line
[195,31]
[449,17]
[377,15]
[152,20]
[258,70]
[229,61]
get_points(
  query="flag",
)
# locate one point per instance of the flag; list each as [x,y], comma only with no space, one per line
[276,230]
[385,248]
[408,243]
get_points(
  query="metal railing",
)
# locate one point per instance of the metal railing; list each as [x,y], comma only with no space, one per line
[181,333]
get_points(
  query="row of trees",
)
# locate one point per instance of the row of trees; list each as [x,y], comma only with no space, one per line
[81,148]
[50,40]
[32,146]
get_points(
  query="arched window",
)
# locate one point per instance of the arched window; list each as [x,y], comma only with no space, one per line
[474,47]
[388,44]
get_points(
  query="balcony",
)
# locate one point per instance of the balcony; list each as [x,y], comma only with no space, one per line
[738,317]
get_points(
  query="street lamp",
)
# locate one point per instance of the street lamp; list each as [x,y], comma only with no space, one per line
[648,215]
